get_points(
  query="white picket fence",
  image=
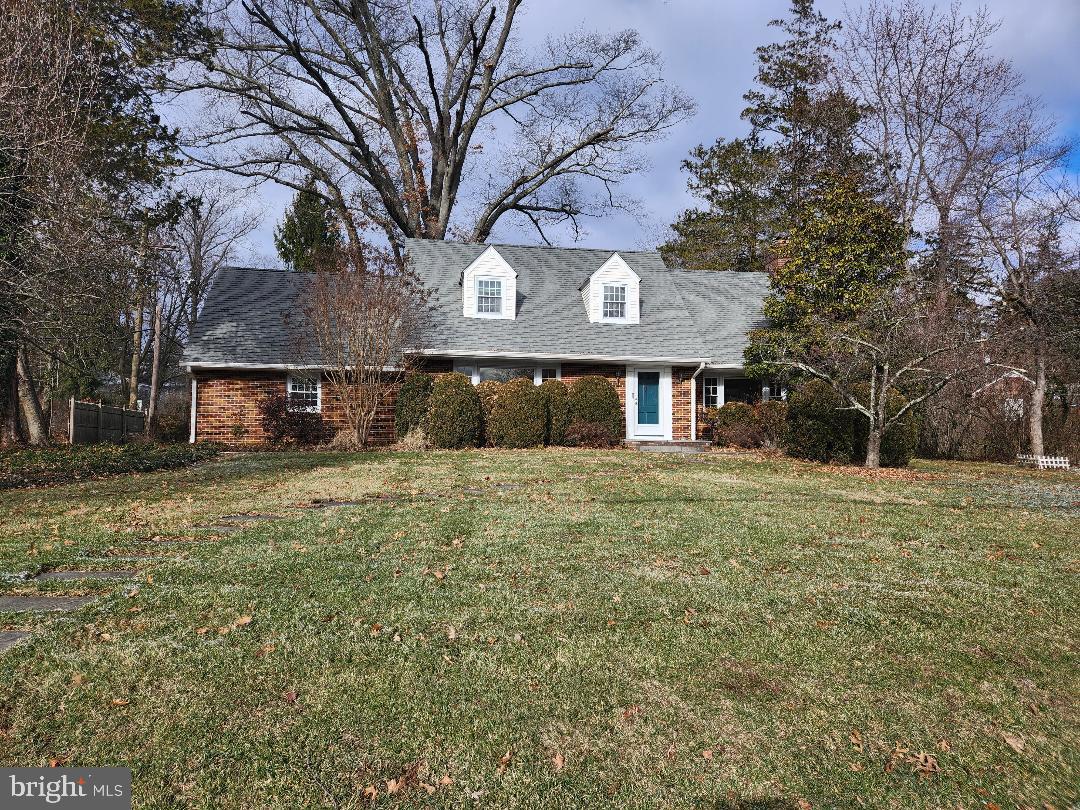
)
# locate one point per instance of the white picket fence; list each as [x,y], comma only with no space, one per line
[1044,462]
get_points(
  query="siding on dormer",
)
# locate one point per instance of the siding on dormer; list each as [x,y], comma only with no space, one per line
[489,264]
[613,271]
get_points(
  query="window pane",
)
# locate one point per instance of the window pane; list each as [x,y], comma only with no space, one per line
[614,301]
[303,394]
[712,392]
[549,374]
[741,389]
[489,295]
[503,373]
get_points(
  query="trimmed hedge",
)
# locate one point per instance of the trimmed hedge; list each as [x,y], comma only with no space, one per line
[413,402]
[772,417]
[517,417]
[488,391]
[556,411]
[283,426]
[594,400]
[819,428]
[454,415]
[59,465]
[736,424]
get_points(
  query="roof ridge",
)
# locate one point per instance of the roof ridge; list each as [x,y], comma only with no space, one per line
[533,247]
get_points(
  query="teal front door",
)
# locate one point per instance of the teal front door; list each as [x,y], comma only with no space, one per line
[648,398]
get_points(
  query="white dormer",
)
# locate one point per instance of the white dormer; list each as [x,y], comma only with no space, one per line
[489,287]
[612,293]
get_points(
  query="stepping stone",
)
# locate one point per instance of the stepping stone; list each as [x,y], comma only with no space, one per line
[43,603]
[67,575]
[9,638]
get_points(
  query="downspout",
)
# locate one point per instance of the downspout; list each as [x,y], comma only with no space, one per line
[693,401]
[194,406]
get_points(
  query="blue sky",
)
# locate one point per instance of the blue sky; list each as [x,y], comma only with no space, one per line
[708,47]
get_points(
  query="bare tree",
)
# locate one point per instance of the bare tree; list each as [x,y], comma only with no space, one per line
[48,79]
[403,111]
[365,320]
[936,103]
[1024,200]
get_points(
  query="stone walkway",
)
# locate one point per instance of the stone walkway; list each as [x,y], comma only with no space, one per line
[43,603]
[9,638]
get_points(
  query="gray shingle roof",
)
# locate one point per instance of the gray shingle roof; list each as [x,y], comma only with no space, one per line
[251,318]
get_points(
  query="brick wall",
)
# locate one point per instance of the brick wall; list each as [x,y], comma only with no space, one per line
[228,408]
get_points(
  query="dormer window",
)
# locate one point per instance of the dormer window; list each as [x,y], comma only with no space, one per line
[489,287]
[614,302]
[612,294]
[488,296]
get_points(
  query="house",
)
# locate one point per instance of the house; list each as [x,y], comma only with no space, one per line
[670,341]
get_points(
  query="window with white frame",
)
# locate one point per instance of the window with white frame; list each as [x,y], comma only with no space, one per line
[489,296]
[614,302]
[711,394]
[772,389]
[304,394]
[503,372]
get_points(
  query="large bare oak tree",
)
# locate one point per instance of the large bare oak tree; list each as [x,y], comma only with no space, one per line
[408,113]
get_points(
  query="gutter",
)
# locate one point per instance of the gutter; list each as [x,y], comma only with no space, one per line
[693,401]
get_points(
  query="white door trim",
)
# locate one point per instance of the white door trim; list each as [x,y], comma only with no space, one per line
[661,432]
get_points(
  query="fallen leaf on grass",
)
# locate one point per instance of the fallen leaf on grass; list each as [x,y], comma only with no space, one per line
[630,712]
[289,696]
[446,780]
[855,766]
[943,745]
[78,679]
[201,631]
[120,701]
[1014,741]
[504,761]
[856,739]
[371,792]
[243,621]
[264,649]
[57,762]
[707,755]
[558,762]
[451,633]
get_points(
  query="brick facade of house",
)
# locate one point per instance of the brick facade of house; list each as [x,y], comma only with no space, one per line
[227,402]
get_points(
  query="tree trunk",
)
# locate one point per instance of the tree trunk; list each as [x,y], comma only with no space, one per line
[136,356]
[873,448]
[37,430]
[13,432]
[1038,398]
[155,374]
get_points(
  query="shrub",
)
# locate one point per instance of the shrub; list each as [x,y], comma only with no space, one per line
[517,415]
[590,434]
[820,428]
[772,416]
[594,400]
[736,424]
[556,411]
[816,427]
[282,425]
[413,402]
[57,465]
[488,391]
[454,415]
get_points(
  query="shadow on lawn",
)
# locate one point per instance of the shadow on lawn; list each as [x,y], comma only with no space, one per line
[755,804]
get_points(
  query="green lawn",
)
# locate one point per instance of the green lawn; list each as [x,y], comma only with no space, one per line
[556,628]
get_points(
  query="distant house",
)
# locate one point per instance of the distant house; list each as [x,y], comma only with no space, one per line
[670,341]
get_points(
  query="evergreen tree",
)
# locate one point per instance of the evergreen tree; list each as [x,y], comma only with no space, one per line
[756,188]
[308,233]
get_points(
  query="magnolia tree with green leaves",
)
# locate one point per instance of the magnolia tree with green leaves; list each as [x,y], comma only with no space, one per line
[845,308]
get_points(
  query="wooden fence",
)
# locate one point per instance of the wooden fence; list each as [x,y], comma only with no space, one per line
[91,422]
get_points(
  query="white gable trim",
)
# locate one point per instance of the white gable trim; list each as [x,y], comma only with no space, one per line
[489,265]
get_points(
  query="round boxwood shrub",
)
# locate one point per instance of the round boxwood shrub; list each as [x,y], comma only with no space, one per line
[454,414]
[488,392]
[556,411]
[816,428]
[736,424]
[517,415]
[413,401]
[594,400]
